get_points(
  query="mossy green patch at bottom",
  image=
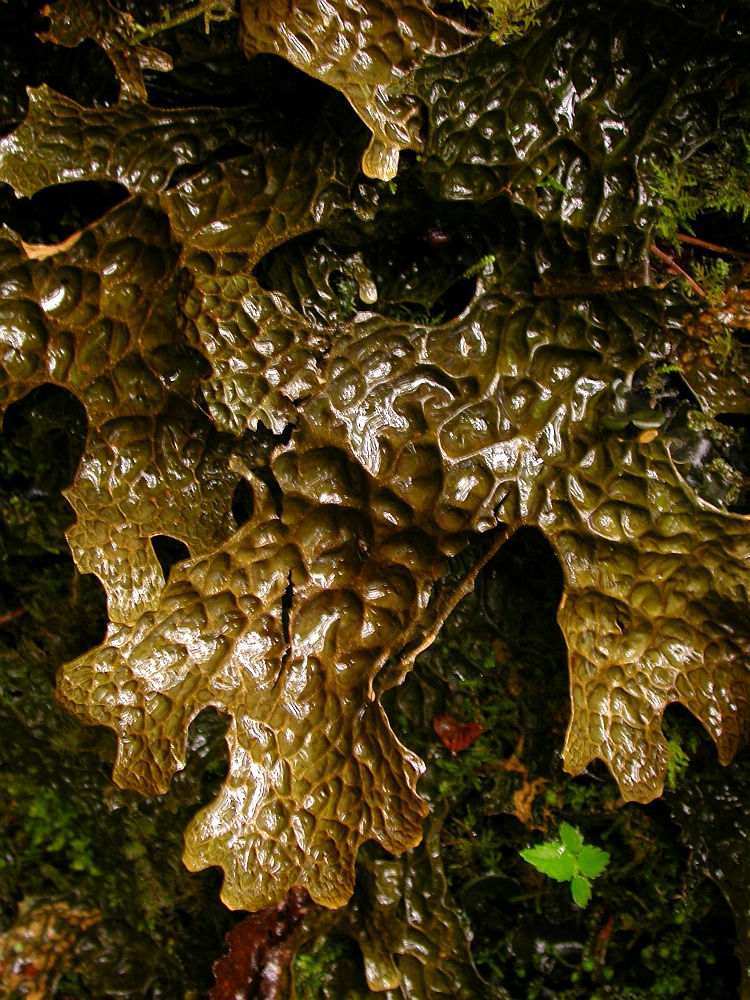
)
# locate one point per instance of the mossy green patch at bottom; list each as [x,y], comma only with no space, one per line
[655,927]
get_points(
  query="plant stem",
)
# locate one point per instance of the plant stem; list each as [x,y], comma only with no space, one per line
[694,241]
[10,615]
[676,269]
[216,11]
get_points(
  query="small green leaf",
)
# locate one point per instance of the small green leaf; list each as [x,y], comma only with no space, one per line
[581,890]
[571,837]
[592,861]
[553,859]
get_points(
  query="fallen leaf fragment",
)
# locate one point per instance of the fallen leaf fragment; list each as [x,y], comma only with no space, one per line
[38,948]
[455,736]
[40,251]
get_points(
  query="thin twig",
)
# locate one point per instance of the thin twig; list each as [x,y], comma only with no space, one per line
[676,269]
[10,615]
[694,241]
[439,612]
[447,603]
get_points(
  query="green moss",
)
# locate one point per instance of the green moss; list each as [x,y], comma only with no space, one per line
[712,276]
[509,18]
[317,965]
[714,179]
[42,822]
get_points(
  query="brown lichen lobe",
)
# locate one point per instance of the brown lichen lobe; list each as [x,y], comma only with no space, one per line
[368,52]
[408,441]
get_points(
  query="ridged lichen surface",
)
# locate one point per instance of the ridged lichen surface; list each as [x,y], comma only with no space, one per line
[456,350]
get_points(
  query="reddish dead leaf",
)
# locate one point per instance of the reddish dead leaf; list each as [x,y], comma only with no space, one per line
[259,951]
[454,735]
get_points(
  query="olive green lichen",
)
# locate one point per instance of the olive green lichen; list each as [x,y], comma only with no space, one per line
[402,441]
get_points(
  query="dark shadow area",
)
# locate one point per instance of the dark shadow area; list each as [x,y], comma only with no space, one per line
[57,212]
[455,299]
[43,437]
[721,228]
[212,70]
[740,421]
[229,151]
[424,273]
[169,551]
[656,926]
[208,755]
[243,502]
[83,73]
[47,429]
[681,727]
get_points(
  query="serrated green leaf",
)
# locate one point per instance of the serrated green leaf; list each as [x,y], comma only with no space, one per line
[592,861]
[571,837]
[552,859]
[580,889]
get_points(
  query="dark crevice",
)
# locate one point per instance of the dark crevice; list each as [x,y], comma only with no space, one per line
[169,551]
[212,70]
[286,631]
[740,421]
[666,389]
[266,476]
[228,151]
[83,73]
[57,212]
[456,299]
[421,262]
[206,740]
[243,502]
[286,611]
[724,229]
[679,723]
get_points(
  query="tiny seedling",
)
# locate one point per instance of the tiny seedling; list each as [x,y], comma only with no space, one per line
[569,860]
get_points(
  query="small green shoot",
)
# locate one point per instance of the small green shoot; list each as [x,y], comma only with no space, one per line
[480,265]
[553,184]
[569,860]
[210,10]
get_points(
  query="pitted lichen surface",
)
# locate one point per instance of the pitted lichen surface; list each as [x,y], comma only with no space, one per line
[367,51]
[72,21]
[253,276]
[412,939]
